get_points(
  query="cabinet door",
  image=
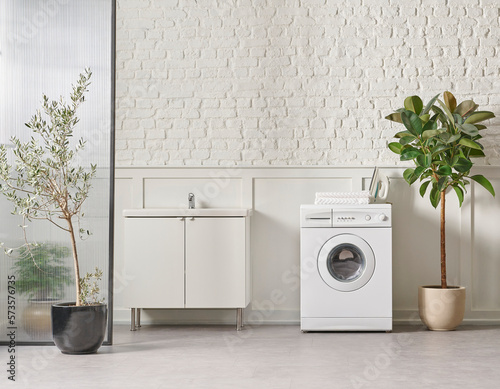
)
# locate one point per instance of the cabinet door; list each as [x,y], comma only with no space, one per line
[215,263]
[154,263]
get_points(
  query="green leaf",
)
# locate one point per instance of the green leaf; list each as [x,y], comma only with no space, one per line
[469,129]
[463,165]
[440,113]
[430,133]
[441,185]
[444,170]
[444,137]
[414,104]
[466,107]
[424,160]
[394,117]
[447,111]
[425,118]
[405,117]
[430,125]
[458,118]
[474,153]
[462,183]
[439,149]
[406,121]
[460,195]
[409,153]
[470,143]
[406,140]
[423,188]
[453,161]
[409,176]
[416,123]
[430,104]
[481,180]
[403,134]
[418,171]
[453,138]
[479,116]
[428,160]
[395,147]
[435,196]
[450,101]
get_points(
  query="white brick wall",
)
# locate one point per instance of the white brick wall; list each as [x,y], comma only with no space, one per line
[293,82]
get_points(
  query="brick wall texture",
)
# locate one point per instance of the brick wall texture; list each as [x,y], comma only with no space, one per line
[293,82]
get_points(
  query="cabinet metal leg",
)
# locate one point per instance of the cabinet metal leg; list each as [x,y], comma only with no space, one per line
[239,319]
[139,317]
[132,319]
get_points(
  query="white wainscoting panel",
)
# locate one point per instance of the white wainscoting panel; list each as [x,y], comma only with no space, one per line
[485,262]
[210,192]
[275,194]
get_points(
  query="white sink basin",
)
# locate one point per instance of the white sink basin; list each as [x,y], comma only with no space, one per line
[179,212]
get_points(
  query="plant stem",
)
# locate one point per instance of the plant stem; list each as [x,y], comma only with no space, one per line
[443,241]
[75,259]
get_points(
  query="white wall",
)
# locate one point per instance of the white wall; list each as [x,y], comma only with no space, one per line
[292,82]
[275,195]
[285,83]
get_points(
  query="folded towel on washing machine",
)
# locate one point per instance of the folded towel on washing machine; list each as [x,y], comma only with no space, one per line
[335,195]
[323,198]
[325,201]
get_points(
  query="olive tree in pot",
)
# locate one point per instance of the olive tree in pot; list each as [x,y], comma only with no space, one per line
[47,183]
[441,139]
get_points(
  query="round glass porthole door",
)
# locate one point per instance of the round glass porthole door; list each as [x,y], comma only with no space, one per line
[346,262]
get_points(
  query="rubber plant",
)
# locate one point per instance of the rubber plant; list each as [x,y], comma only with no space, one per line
[441,139]
[46,181]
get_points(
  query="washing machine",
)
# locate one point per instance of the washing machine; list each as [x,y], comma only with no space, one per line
[346,267]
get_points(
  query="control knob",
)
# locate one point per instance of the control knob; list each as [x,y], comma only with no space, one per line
[382,217]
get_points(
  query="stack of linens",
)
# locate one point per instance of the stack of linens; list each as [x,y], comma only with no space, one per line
[323,198]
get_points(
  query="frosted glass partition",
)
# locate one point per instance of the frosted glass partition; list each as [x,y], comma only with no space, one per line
[44,46]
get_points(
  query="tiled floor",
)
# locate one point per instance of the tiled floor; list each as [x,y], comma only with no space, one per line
[269,357]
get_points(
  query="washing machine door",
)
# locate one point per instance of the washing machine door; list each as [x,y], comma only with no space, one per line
[346,262]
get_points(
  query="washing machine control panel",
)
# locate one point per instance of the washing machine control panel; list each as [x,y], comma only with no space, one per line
[374,215]
[360,218]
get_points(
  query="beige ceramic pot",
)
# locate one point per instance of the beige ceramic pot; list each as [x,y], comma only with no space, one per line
[441,309]
[36,319]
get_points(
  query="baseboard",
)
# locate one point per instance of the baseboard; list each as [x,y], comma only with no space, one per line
[251,318]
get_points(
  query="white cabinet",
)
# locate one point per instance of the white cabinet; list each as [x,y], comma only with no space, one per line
[186,261]
[215,263]
[154,263]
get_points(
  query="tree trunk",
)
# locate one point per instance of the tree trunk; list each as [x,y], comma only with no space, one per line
[443,242]
[75,259]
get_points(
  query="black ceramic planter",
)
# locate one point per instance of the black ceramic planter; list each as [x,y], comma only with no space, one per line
[78,330]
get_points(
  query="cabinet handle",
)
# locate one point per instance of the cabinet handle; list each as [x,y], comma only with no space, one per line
[191,218]
[180,218]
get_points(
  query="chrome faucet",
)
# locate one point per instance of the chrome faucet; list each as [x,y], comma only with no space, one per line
[191,200]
